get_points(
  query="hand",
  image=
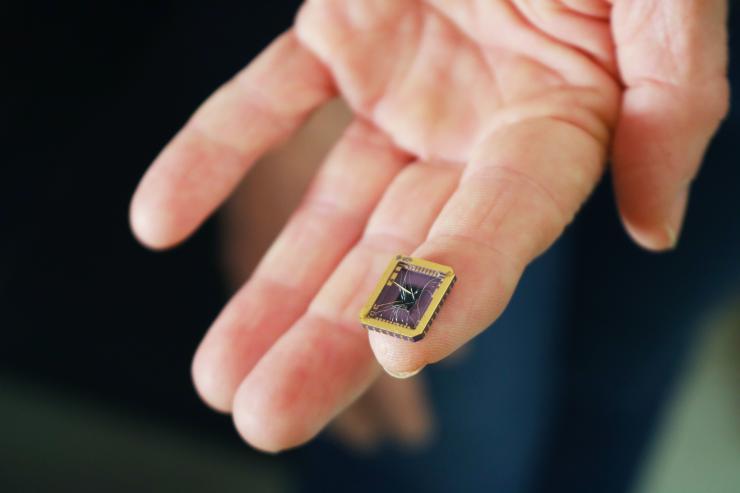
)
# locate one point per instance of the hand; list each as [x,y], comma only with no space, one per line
[392,409]
[480,129]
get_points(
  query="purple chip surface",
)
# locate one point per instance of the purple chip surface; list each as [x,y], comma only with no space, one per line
[405,297]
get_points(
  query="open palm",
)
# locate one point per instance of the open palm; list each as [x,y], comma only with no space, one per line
[480,129]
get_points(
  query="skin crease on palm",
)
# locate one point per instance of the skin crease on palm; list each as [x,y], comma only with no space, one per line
[480,128]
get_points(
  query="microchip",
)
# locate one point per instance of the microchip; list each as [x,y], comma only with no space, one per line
[407,298]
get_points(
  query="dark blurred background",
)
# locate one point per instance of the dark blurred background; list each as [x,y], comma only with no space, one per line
[95,89]
[97,332]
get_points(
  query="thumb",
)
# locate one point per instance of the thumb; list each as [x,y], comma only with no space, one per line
[672,58]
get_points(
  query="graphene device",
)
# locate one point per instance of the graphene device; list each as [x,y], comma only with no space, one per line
[407,298]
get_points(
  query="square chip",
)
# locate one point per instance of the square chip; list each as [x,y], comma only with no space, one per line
[407,297]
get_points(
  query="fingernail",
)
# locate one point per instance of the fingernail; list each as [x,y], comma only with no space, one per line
[403,374]
[676,217]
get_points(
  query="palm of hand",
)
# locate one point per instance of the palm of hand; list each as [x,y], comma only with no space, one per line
[481,128]
[439,77]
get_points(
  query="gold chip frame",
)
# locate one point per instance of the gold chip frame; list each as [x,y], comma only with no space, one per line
[399,330]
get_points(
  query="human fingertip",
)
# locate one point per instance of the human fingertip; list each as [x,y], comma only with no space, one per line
[654,239]
[362,437]
[661,236]
[403,374]
[251,427]
[271,422]
[418,437]
[149,225]
[399,359]
[210,383]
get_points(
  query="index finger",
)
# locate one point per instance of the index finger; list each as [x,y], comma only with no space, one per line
[260,107]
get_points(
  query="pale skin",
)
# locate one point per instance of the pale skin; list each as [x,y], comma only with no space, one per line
[480,128]
[392,409]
